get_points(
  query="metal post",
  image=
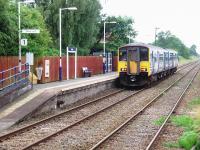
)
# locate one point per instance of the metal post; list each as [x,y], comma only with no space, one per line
[67,64]
[60,66]
[19,24]
[75,76]
[156,34]
[104,39]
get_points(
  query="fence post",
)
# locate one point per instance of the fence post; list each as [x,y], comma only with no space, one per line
[15,69]
[2,80]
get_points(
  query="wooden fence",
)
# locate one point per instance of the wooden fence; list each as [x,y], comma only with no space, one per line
[92,62]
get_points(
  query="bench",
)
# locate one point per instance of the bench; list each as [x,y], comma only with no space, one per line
[86,72]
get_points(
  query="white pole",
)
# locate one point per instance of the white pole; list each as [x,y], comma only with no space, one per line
[19,24]
[60,67]
[67,64]
[104,39]
[76,64]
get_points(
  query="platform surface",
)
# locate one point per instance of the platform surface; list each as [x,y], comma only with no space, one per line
[25,104]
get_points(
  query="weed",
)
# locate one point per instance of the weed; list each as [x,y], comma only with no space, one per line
[188,139]
[194,102]
[171,145]
[183,121]
[159,121]
[197,146]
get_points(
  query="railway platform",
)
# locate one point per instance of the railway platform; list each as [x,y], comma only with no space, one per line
[29,102]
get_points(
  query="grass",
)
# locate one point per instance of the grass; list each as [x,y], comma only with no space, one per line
[183,121]
[183,60]
[194,102]
[159,121]
[190,136]
[172,145]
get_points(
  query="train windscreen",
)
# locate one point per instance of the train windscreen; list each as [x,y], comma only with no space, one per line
[122,54]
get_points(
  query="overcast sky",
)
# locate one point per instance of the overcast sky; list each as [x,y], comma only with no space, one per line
[181,17]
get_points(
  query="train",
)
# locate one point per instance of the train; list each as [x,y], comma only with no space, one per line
[142,64]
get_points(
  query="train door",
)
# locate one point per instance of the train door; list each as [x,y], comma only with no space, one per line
[152,62]
[133,61]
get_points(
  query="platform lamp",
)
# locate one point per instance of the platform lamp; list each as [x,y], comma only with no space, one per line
[60,12]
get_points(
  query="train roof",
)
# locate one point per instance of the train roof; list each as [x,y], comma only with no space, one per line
[149,46]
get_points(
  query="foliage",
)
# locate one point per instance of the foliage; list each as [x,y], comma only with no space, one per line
[30,18]
[116,34]
[79,28]
[197,146]
[183,121]
[193,50]
[167,40]
[188,139]
[40,43]
[190,135]
[9,29]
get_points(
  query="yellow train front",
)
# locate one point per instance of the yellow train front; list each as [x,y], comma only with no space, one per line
[140,64]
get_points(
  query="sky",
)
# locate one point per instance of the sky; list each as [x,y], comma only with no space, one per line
[180,17]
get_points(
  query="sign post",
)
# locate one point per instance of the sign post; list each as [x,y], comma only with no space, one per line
[73,51]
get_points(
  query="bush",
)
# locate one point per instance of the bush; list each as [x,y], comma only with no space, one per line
[188,139]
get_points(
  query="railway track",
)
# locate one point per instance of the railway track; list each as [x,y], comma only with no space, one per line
[150,146]
[100,144]
[28,128]
[25,129]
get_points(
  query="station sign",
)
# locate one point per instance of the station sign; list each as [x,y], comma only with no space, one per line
[31,31]
[24,42]
[29,1]
[71,49]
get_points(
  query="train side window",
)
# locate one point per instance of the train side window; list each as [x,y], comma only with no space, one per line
[161,57]
[144,54]
[122,55]
[171,56]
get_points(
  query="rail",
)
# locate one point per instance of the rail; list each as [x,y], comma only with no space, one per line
[12,76]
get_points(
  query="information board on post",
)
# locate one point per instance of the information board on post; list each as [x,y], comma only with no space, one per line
[74,51]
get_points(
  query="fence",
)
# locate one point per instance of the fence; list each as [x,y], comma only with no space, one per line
[95,63]
[12,76]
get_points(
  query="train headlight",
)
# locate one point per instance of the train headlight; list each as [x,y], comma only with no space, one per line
[123,69]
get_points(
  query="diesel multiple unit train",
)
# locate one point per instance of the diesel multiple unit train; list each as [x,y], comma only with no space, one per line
[141,64]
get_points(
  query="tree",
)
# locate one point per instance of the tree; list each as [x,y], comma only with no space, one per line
[8,30]
[116,34]
[79,28]
[193,50]
[30,18]
[167,40]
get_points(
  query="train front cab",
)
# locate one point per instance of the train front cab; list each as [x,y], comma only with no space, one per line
[133,66]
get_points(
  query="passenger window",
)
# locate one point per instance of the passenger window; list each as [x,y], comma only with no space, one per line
[144,54]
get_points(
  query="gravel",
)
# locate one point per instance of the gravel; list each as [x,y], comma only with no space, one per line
[86,134]
[171,133]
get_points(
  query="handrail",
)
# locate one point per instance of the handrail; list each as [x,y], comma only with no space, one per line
[9,78]
[13,68]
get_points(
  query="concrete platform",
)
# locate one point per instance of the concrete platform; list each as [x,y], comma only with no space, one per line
[41,93]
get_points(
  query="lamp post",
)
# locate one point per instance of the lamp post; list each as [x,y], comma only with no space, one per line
[19,30]
[156,33]
[60,23]
[104,36]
